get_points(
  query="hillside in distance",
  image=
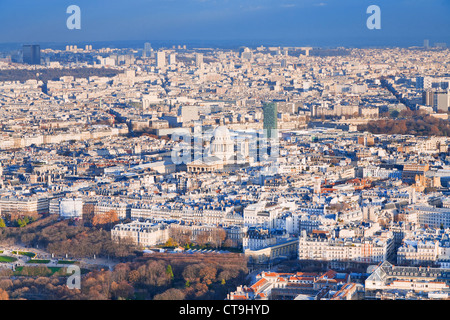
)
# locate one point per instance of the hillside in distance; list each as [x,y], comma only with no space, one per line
[54,74]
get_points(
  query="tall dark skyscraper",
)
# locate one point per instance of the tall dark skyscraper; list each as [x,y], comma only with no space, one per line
[31,54]
[147,49]
[270,113]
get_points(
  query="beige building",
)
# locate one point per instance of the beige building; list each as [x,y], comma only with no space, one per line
[144,234]
[367,250]
[418,253]
[225,216]
[286,248]
[121,209]
[23,205]
[387,277]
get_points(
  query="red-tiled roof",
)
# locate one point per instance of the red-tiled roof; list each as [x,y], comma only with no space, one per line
[259,284]
[271,274]
[307,274]
[303,278]
[299,285]
[330,274]
[240,297]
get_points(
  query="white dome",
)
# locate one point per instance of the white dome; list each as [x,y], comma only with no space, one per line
[221,133]
[222,145]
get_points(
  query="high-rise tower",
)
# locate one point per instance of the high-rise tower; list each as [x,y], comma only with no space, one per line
[160,59]
[32,54]
[270,113]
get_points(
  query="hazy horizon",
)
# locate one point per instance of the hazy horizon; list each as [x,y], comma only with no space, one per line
[192,44]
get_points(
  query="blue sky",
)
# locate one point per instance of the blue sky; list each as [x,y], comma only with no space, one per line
[300,22]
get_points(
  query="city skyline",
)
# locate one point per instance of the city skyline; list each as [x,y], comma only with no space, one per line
[225,150]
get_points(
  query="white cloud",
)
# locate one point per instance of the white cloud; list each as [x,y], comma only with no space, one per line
[288,5]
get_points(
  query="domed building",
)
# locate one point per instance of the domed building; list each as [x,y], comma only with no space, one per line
[222,146]
[219,152]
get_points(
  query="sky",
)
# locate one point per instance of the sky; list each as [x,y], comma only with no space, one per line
[326,23]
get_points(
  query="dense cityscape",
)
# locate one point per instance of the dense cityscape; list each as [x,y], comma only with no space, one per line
[252,173]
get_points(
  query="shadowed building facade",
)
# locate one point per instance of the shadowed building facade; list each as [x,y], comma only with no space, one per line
[270,113]
[32,54]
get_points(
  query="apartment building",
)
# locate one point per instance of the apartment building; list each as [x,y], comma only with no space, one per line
[364,250]
[122,209]
[224,216]
[144,234]
[261,214]
[23,205]
[415,253]
[388,277]
[428,216]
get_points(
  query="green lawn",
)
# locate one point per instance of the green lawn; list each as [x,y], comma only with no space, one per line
[25,253]
[6,259]
[18,271]
[67,262]
[56,269]
[33,271]
[38,261]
